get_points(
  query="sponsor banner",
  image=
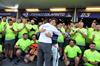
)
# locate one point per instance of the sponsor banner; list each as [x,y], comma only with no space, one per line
[47,14]
[89,15]
[8,13]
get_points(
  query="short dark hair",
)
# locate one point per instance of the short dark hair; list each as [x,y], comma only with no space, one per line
[73,41]
[33,34]
[25,34]
[9,20]
[4,16]
[92,43]
[54,19]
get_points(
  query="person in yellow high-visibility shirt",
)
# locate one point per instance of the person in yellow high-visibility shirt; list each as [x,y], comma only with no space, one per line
[91,56]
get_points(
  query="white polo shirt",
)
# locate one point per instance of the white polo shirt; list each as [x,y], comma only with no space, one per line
[49,28]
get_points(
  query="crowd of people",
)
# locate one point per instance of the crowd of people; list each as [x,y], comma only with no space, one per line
[72,42]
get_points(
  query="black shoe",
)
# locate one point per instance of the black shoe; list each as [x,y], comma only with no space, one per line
[17,61]
[11,59]
[5,58]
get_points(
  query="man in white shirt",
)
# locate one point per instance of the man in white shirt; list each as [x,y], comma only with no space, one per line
[44,45]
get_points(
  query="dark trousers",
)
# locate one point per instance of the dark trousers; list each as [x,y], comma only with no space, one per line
[44,52]
[82,48]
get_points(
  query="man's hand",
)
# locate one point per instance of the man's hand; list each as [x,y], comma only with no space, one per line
[93,36]
[5,26]
[48,35]
[65,60]
[42,30]
[85,59]
[60,30]
[12,29]
[24,26]
[79,31]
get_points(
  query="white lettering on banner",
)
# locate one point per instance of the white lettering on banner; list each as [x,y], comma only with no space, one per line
[48,14]
[5,13]
[57,14]
[37,14]
[25,14]
[85,14]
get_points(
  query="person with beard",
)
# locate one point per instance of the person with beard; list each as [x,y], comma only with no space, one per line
[22,46]
[4,20]
[10,31]
[23,28]
[80,36]
[95,37]
[91,56]
[71,53]
[33,30]
[33,41]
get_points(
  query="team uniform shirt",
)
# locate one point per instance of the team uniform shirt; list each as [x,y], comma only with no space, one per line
[23,43]
[72,51]
[1,29]
[89,31]
[20,26]
[33,30]
[72,31]
[16,25]
[3,23]
[0,47]
[9,34]
[96,39]
[91,56]
[61,38]
[32,42]
[49,29]
[80,40]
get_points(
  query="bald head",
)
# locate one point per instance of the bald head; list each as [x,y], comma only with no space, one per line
[81,24]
